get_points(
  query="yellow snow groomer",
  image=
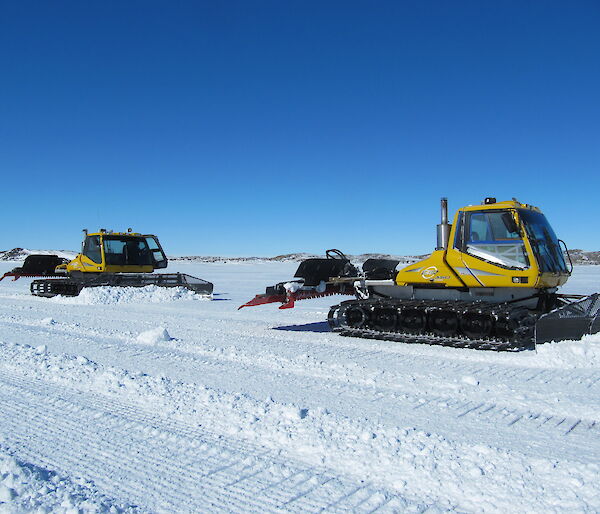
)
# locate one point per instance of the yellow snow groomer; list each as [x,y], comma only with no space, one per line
[491,283]
[123,259]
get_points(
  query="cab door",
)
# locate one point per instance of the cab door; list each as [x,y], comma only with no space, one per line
[489,246]
[159,259]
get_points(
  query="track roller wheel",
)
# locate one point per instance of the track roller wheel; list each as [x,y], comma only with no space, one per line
[443,322]
[385,319]
[505,328]
[476,325]
[412,321]
[356,316]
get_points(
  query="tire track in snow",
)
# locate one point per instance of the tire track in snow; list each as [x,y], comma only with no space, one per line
[391,401]
[439,368]
[491,424]
[108,442]
[497,414]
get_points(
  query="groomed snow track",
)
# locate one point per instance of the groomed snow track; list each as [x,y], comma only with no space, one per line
[165,465]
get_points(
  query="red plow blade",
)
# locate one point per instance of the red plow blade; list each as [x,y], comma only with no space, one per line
[289,299]
[11,274]
[17,276]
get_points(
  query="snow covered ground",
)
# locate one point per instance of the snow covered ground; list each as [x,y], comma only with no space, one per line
[154,400]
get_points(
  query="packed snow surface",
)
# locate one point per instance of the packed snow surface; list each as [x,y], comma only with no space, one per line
[150,400]
[25,487]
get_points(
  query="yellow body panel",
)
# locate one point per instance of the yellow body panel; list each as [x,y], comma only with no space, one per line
[453,268]
[432,270]
[85,264]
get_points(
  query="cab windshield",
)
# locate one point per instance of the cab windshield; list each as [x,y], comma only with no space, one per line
[126,251]
[543,241]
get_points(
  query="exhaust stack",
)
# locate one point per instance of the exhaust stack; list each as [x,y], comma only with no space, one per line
[443,229]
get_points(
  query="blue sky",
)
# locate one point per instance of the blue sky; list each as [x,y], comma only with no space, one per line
[261,128]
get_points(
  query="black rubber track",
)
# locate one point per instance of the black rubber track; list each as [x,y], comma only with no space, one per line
[506,327]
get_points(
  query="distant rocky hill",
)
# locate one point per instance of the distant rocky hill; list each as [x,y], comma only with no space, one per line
[579,257]
[19,254]
[294,257]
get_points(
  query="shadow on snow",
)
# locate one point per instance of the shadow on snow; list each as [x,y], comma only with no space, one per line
[321,326]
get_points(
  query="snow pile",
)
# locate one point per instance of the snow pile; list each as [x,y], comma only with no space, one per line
[469,380]
[28,488]
[294,286]
[571,354]
[112,295]
[154,336]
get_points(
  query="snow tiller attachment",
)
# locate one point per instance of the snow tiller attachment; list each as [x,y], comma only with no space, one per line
[334,274]
[490,284]
[37,266]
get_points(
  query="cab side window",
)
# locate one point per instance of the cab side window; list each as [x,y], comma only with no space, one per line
[479,228]
[114,253]
[490,226]
[159,258]
[91,249]
[494,237]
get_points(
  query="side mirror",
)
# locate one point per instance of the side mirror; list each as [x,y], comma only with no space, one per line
[510,223]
